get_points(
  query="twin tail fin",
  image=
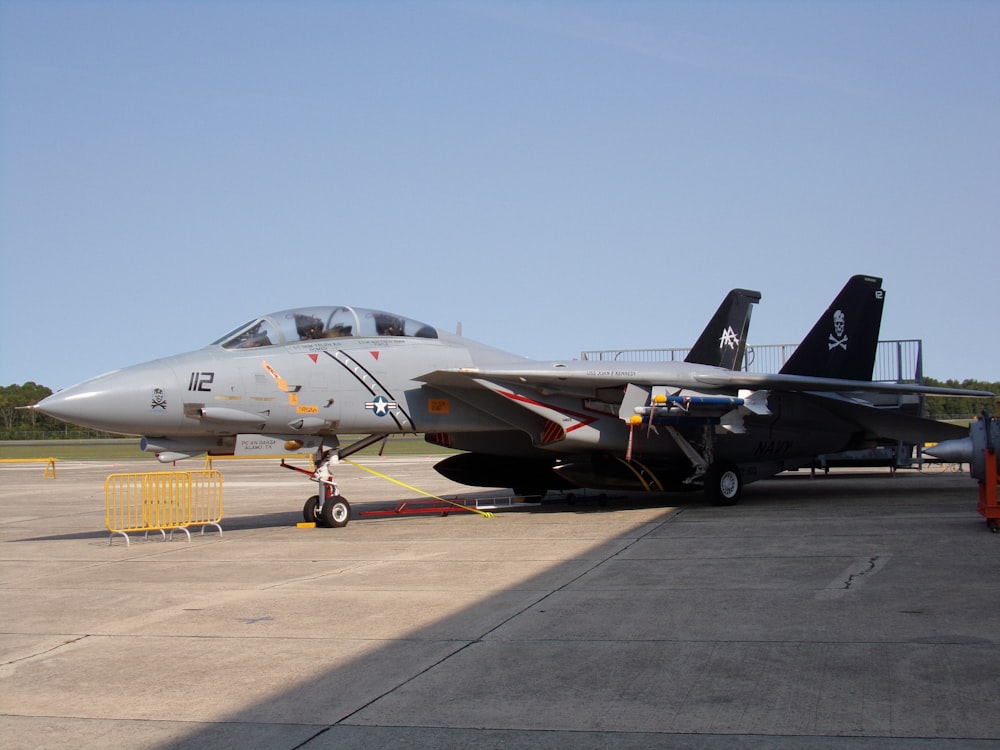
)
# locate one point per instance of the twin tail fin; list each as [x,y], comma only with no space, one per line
[843,342]
[723,343]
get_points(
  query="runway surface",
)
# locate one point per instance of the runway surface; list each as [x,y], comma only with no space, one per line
[848,611]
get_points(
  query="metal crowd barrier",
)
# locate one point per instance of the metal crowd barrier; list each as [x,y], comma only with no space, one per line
[50,464]
[162,501]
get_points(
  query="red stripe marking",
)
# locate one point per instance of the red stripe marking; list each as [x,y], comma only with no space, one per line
[583,420]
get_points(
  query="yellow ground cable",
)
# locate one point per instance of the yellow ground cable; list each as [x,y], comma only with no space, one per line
[483,513]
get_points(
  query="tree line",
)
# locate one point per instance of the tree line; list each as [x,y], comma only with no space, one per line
[18,423]
[952,407]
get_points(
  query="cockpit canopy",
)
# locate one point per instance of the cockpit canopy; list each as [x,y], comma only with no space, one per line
[309,323]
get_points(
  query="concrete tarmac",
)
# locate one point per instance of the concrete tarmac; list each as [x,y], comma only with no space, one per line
[848,611]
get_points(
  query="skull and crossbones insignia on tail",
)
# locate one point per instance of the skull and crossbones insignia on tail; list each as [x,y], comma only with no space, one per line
[838,337]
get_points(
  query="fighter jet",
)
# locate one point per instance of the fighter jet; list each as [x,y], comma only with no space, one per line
[298,380]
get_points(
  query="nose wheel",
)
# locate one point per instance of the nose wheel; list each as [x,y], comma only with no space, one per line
[331,512]
[335,513]
[310,511]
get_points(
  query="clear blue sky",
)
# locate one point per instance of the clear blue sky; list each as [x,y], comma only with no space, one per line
[557,176]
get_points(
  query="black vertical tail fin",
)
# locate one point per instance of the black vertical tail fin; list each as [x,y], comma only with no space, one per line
[842,344]
[724,340]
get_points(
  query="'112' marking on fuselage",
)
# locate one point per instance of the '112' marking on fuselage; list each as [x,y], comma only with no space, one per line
[201,381]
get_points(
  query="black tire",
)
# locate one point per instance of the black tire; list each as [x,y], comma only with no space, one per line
[336,512]
[310,511]
[723,484]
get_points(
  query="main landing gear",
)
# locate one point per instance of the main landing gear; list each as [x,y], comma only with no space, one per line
[722,481]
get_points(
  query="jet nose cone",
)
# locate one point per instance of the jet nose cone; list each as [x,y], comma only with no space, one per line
[70,404]
[129,401]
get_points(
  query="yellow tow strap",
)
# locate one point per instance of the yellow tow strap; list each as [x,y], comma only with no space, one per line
[483,513]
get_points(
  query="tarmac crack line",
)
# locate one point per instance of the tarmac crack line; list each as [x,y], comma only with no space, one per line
[69,642]
[315,576]
[855,576]
[852,578]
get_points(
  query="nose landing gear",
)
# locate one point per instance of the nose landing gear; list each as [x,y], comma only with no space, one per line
[328,508]
[333,513]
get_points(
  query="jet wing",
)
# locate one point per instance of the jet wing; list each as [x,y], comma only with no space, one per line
[781,382]
[583,378]
[577,378]
[891,424]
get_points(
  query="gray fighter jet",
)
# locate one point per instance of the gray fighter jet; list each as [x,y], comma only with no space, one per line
[296,380]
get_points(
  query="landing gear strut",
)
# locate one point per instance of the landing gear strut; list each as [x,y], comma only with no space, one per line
[332,511]
[722,481]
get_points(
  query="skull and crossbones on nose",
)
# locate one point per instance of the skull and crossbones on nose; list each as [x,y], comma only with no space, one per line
[838,337]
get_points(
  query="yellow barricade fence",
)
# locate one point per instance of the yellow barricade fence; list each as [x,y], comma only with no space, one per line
[50,464]
[162,501]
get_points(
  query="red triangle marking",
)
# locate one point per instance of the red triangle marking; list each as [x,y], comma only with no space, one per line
[314,357]
[375,354]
